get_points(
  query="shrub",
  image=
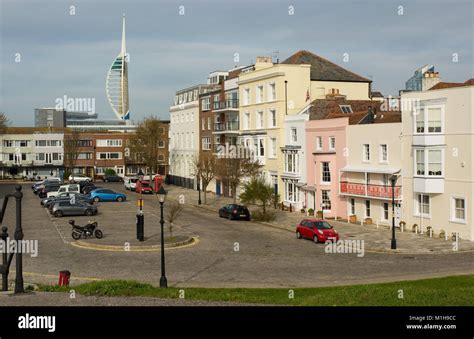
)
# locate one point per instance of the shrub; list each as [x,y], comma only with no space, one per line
[263,216]
[311,211]
[110,171]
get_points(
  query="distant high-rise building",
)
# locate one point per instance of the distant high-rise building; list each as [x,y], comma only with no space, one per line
[424,78]
[50,117]
[117,82]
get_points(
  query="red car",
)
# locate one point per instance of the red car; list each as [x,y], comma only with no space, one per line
[316,229]
[143,187]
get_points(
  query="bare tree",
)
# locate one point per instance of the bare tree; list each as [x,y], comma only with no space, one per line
[235,169]
[174,209]
[144,143]
[205,168]
[71,150]
[3,122]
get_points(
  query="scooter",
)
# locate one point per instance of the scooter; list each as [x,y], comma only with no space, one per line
[86,231]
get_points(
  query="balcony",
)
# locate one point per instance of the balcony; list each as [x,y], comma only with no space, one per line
[369,190]
[226,126]
[231,104]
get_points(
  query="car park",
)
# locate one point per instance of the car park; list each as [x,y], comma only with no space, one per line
[62,208]
[130,183]
[103,194]
[317,230]
[143,187]
[65,196]
[112,178]
[63,189]
[234,211]
[79,177]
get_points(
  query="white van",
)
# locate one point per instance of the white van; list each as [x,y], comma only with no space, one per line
[130,183]
[65,188]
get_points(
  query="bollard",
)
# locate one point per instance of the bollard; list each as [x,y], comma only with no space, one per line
[377,224]
[362,222]
[140,226]
[4,237]
[431,233]
[64,277]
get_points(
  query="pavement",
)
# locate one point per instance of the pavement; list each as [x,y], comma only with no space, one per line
[226,253]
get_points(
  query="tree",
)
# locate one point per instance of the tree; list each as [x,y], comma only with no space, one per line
[3,122]
[205,168]
[71,150]
[258,192]
[174,208]
[235,169]
[144,143]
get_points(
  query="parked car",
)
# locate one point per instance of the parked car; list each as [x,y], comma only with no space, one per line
[52,187]
[130,183]
[46,202]
[65,207]
[38,186]
[103,194]
[143,187]
[112,178]
[234,211]
[41,182]
[64,188]
[79,177]
[317,230]
[85,189]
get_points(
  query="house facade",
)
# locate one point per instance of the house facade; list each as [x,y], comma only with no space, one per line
[437,159]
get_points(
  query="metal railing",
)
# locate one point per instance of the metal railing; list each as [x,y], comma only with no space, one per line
[369,190]
[226,126]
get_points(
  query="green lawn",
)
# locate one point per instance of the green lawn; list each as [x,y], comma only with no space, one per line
[449,291]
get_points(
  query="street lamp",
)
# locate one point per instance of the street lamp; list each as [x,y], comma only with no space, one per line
[199,190]
[393,180]
[161,194]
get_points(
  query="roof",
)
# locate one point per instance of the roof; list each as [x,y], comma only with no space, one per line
[443,85]
[31,130]
[376,94]
[370,169]
[323,69]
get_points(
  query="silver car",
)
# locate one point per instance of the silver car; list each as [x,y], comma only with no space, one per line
[62,208]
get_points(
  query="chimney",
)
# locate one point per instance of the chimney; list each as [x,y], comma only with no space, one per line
[370,115]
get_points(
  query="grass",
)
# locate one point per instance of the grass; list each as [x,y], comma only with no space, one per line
[449,291]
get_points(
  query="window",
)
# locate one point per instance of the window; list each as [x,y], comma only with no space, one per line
[271,92]
[423,205]
[206,143]
[9,143]
[247,120]
[332,143]
[292,162]
[203,125]
[246,96]
[434,120]
[429,120]
[57,156]
[294,134]
[434,162]
[420,162]
[366,154]
[40,156]
[326,199]
[161,157]
[273,121]
[346,108]
[206,104]
[259,96]
[291,192]
[383,153]
[40,143]
[458,209]
[109,143]
[261,149]
[84,143]
[385,211]
[325,172]
[259,119]
[56,143]
[161,143]
[273,148]
[319,143]
[109,155]
[367,208]
[216,100]
[84,156]
[208,123]
[353,207]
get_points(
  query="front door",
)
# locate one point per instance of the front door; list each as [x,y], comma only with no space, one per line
[218,187]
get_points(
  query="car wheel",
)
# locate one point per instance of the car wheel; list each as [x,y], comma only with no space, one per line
[96,199]
[119,199]
[58,214]
[248,218]
[315,239]
[89,212]
[230,216]
[298,235]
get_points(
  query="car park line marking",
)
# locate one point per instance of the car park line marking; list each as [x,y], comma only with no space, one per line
[57,229]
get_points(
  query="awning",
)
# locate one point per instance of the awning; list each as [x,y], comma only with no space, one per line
[370,169]
[308,188]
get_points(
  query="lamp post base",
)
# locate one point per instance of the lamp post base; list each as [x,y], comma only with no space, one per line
[163,282]
[394,244]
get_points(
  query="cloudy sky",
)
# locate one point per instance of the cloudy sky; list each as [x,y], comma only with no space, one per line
[63,54]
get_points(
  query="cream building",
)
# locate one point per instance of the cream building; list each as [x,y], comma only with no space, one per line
[438,154]
[268,92]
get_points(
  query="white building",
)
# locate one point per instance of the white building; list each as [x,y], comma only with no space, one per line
[438,154]
[48,150]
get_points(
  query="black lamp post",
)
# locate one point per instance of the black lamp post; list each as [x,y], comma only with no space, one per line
[199,190]
[161,198]
[393,180]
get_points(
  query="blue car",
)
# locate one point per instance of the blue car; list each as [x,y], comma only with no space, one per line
[103,194]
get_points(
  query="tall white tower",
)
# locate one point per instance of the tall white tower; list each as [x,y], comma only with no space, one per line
[117,82]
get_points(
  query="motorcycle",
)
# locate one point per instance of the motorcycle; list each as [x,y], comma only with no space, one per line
[86,231]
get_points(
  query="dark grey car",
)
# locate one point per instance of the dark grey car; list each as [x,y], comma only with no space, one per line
[62,208]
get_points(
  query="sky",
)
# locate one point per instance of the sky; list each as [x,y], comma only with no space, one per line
[62,54]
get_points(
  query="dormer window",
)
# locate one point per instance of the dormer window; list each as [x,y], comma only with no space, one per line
[346,109]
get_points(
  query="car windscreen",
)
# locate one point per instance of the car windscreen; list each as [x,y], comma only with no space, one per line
[322,225]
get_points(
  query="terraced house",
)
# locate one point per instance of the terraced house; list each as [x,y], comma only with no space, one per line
[270,91]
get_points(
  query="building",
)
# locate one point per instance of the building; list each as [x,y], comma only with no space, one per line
[268,92]
[50,117]
[184,134]
[424,78]
[437,159]
[109,153]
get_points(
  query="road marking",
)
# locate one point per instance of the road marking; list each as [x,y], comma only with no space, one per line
[57,228]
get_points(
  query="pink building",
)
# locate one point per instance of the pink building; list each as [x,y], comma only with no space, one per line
[326,144]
